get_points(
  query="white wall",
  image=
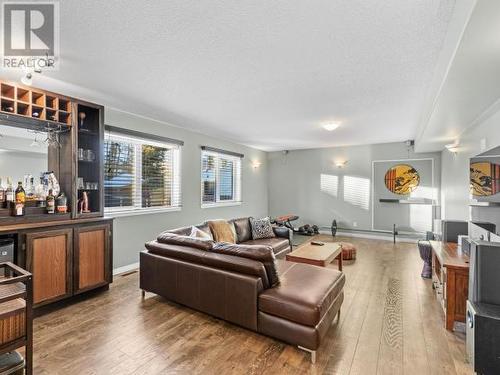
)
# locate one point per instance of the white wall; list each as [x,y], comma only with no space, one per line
[295,184]
[455,168]
[130,233]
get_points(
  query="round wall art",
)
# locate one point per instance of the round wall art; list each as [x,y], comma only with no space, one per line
[484,179]
[402,179]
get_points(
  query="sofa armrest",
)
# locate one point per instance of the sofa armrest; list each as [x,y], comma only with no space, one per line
[220,292]
[284,232]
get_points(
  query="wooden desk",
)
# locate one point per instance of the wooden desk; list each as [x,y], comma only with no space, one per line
[450,278]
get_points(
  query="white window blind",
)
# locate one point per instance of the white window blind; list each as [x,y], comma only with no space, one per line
[140,174]
[220,178]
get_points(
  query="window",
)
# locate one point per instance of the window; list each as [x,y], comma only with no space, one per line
[140,174]
[220,178]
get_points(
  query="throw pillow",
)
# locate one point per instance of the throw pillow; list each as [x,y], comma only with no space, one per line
[261,228]
[198,233]
[260,253]
[222,231]
[243,229]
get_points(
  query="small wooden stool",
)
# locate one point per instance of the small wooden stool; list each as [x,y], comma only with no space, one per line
[348,251]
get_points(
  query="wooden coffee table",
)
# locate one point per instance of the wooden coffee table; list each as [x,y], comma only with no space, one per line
[317,255]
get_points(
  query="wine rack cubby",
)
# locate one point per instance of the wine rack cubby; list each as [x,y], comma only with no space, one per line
[24,101]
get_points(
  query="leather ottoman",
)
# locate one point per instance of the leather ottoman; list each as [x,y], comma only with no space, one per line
[348,251]
[301,309]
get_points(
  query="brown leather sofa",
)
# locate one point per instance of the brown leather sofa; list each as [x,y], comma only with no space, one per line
[281,244]
[237,288]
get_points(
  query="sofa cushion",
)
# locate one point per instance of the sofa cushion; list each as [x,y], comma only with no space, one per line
[305,292]
[277,243]
[263,254]
[198,233]
[210,259]
[222,231]
[261,228]
[175,239]
[243,229]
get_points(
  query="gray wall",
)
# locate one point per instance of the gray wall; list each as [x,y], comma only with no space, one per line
[455,171]
[130,233]
[295,183]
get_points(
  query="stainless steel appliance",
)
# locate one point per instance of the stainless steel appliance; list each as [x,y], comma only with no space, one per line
[483,308]
[483,337]
[7,246]
[6,249]
[484,275]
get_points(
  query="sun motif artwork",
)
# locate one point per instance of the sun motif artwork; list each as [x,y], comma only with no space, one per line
[402,179]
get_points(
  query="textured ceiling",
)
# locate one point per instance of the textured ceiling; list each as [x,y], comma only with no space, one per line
[262,73]
[470,92]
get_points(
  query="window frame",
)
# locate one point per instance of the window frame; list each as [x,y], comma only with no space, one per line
[137,209]
[237,180]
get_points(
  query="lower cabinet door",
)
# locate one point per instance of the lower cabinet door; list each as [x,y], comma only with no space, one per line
[49,259]
[91,257]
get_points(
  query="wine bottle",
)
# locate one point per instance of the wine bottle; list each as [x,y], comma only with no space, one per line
[30,190]
[19,207]
[9,192]
[2,194]
[51,203]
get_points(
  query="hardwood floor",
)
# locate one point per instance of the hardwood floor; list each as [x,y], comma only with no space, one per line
[391,323]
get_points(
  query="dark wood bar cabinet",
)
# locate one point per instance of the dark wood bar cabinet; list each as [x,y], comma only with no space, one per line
[71,252]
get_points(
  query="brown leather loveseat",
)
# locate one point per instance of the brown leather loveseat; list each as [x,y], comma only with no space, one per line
[238,283]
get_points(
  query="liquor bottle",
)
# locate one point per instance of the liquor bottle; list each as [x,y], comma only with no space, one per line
[51,203]
[19,207]
[9,192]
[30,189]
[62,204]
[2,194]
[41,193]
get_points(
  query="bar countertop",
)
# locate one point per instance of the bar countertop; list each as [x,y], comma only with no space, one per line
[16,227]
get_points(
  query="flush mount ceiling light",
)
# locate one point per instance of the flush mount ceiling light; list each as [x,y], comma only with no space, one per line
[331,126]
[453,147]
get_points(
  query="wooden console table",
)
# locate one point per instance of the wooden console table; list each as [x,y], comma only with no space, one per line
[450,279]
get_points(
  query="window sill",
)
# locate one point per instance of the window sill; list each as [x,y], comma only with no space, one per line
[220,204]
[146,211]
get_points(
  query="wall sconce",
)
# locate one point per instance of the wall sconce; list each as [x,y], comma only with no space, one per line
[340,163]
[256,164]
[453,147]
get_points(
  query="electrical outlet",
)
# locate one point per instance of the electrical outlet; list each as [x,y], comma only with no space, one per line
[355,224]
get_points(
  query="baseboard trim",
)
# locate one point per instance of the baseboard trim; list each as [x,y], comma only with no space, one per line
[127,268]
[372,236]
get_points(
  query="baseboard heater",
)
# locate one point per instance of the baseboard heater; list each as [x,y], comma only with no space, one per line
[394,233]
